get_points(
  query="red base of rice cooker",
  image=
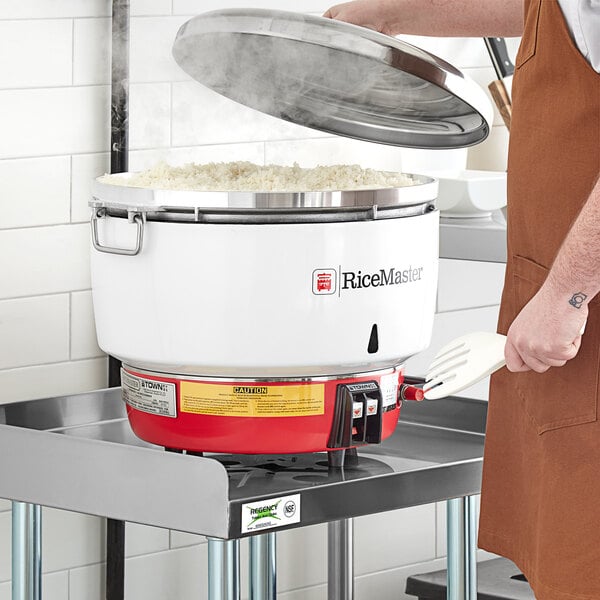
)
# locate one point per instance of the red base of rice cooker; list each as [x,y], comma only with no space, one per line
[262,417]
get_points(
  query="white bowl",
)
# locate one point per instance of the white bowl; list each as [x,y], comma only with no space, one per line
[469,194]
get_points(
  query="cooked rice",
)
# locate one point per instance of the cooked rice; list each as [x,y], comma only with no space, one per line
[246,176]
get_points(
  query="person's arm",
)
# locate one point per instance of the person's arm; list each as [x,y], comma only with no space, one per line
[471,18]
[546,332]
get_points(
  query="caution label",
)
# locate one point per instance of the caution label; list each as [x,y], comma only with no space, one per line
[148,395]
[251,400]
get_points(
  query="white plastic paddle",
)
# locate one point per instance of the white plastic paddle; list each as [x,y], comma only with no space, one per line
[465,361]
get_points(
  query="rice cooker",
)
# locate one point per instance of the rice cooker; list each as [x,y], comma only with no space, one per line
[263,322]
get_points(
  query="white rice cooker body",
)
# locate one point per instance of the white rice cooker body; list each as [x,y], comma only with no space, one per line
[267,300]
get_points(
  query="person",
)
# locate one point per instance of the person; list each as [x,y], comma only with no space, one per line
[541,476]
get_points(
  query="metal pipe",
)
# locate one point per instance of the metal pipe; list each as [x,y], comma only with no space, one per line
[462,548]
[119,130]
[115,559]
[223,569]
[26,551]
[119,163]
[340,560]
[263,567]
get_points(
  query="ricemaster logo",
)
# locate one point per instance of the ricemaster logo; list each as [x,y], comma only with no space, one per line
[356,280]
[325,281]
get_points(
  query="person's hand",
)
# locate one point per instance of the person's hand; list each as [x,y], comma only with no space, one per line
[546,333]
[374,14]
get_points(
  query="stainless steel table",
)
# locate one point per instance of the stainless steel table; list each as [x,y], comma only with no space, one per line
[73,452]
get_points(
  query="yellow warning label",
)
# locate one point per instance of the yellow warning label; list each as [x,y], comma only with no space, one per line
[251,400]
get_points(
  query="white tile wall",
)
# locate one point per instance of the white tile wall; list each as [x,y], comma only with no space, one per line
[174,575]
[194,7]
[83,331]
[251,151]
[151,58]
[50,121]
[141,539]
[38,330]
[409,534]
[54,118]
[84,545]
[46,381]
[55,586]
[36,9]
[5,545]
[91,51]
[85,167]
[44,260]
[150,7]
[28,66]
[88,582]
[150,115]
[492,153]
[34,191]
[302,557]
[180,539]
[201,114]
[469,284]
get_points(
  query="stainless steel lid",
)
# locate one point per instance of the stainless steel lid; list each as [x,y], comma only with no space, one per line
[334,77]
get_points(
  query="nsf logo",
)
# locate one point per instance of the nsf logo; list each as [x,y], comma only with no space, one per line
[289,509]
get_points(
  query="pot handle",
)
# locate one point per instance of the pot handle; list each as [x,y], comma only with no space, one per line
[136,218]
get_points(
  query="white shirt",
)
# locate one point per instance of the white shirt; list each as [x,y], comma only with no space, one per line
[583,21]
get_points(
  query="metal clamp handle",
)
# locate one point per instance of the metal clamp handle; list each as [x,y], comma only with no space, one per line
[136,218]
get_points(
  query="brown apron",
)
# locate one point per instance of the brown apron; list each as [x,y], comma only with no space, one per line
[541,476]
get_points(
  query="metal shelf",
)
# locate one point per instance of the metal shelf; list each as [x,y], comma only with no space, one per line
[78,453]
[482,239]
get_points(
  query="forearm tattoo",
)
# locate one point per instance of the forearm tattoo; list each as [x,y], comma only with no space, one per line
[577,299]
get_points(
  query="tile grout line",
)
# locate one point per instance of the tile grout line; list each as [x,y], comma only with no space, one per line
[53,364]
[465,308]
[158,148]
[70,327]
[45,294]
[71,188]
[72,52]
[69,86]
[50,225]
[170,115]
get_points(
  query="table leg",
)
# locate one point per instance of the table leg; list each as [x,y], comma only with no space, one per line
[26,551]
[340,559]
[223,569]
[462,548]
[263,569]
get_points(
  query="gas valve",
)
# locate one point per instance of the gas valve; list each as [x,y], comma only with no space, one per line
[411,392]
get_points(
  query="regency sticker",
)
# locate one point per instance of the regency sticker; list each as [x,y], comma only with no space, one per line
[274,512]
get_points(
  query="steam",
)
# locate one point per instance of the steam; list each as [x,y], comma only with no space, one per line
[313,84]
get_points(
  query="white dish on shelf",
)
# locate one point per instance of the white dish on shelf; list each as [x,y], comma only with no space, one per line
[471,194]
